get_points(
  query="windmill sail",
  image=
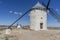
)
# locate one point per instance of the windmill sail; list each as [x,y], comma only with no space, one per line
[18,19]
[54,14]
[43,4]
[48,4]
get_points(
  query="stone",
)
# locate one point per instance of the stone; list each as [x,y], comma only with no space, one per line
[7,31]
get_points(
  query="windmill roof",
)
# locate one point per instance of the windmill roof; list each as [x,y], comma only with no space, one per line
[38,5]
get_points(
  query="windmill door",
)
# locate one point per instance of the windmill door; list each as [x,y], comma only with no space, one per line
[41,25]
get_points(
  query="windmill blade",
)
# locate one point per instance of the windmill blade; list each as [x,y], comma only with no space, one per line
[43,4]
[18,19]
[48,4]
[54,14]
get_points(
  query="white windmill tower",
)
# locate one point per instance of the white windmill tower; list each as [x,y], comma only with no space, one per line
[38,17]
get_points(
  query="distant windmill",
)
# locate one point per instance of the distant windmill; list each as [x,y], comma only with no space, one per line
[38,16]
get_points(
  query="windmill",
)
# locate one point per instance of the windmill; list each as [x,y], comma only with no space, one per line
[53,13]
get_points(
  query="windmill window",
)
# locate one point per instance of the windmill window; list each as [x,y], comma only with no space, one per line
[41,17]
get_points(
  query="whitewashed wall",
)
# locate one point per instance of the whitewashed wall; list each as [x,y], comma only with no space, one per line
[35,19]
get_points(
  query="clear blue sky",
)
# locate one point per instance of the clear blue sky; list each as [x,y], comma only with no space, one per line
[10,10]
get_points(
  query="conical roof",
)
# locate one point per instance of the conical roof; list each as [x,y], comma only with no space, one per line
[38,5]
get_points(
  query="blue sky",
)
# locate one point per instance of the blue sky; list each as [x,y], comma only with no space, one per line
[10,10]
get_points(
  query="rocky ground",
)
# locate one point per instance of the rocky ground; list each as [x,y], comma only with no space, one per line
[22,34]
